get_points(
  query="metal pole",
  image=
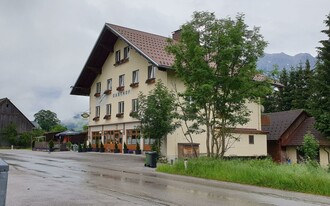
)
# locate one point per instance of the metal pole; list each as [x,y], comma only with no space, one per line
[3,181]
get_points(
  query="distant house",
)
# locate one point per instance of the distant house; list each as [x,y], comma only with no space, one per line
[286,133]
[10,114]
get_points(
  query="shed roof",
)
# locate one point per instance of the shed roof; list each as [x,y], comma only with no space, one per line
[280,122]
[297,138]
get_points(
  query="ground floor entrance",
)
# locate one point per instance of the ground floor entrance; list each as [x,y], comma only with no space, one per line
[114,139]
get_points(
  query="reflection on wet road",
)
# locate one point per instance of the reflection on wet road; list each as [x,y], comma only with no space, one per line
[68,178]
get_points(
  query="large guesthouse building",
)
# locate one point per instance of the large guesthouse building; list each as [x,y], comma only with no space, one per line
[125,62]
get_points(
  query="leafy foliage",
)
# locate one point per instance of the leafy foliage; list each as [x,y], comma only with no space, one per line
[310,147]
[58,128]
[46,119]
[156,113]
[11,134]
[216,60]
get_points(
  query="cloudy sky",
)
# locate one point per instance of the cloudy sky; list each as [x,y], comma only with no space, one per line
[44,44]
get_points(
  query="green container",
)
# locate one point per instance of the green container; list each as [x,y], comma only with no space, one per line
[151,159]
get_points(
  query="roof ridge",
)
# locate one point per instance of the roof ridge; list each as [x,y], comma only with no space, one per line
[294,110]
[109,24]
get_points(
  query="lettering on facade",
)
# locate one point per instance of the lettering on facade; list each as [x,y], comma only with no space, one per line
[123,93]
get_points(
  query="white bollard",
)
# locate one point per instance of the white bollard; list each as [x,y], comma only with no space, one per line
[185,164]
[12,147]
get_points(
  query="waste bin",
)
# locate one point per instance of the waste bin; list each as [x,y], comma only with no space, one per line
[3,181]
[151,159]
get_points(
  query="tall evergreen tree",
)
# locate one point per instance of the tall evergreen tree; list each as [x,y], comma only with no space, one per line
[320,99]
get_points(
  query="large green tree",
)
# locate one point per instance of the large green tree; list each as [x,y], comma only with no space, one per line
[46,119]
[216,60]
[156,111]
[320,98]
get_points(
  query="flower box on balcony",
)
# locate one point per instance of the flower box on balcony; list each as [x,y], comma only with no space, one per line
[97,94]
[122,61]
[134,85]
[107,117]
[107,92]
[120,88]
[151,80]
[96,118]
[133,113]
[120,115]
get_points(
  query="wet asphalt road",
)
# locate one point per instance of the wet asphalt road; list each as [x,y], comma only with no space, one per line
[68,178]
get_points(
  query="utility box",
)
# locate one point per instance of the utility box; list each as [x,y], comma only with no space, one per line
[151,159]
[4,168]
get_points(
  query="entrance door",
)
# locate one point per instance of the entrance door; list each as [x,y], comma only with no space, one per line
[112,137]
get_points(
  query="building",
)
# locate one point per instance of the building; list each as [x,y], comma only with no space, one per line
[125,62]
[10,114]
[286,134]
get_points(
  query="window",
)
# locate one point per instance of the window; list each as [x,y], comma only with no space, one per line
[149,141]
[135,76]
[151,72]
[122,80]
[109,84]
[126,52]
[98,87]
[134,105]
[121,107]
[97,111]
[117,56]
[251,139]
[96,137]
[108,109]
[133,136]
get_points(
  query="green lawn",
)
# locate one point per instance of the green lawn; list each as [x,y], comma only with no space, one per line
[297,177]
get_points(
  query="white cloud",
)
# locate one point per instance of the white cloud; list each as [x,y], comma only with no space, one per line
[44,44]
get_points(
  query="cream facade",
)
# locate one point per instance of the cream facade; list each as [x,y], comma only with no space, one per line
[115,88]
[324,155]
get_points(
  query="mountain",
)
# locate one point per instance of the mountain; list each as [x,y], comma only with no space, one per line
[267,62]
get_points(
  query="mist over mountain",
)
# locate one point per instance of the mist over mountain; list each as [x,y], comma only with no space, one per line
[267,62]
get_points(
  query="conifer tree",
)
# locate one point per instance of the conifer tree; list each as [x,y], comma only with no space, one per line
[320,99]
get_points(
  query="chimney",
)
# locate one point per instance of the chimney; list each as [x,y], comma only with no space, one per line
[265,120]
[176,35]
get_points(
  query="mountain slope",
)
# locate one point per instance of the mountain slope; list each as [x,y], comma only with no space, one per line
[267,62]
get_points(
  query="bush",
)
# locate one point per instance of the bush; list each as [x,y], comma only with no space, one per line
[84,147]
[297,177]
[69,145]
[51,145]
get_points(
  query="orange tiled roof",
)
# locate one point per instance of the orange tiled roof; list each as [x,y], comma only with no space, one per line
[152,46]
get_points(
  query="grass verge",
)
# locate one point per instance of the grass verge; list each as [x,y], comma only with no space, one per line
[297,177]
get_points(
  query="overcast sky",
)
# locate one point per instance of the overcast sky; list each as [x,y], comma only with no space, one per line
[44,44]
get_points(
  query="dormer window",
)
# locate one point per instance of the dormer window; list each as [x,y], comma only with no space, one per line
[126,52]
[117,60]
